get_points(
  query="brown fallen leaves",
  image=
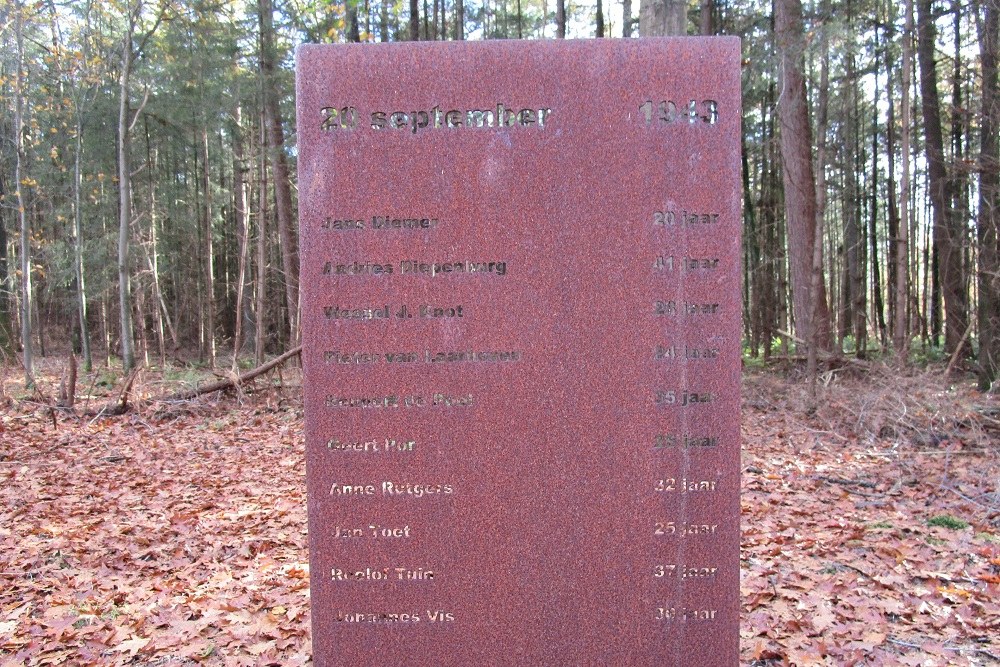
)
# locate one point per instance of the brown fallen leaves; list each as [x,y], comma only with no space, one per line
[178,536]
[156,540]
[870,528]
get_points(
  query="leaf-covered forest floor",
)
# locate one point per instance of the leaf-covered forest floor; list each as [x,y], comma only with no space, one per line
[176,534]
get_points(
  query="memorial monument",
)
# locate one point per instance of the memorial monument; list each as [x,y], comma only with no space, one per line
[521,321]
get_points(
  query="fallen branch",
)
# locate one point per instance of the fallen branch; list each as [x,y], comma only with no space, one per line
[233,382]
[120,406]
[847,482]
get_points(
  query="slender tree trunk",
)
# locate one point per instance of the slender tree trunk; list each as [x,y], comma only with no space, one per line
[854,242]
[901,332]
[7,336]
[460,20]
[948,233]
[878,303]
[383,22]
[22,209]
[626,18]
[81,289]
[560,19]
[262,215]
[152,256]
[800,184]
[280,171]
[599,32]
[662,17]
[242,217]
[125,199]
[209,251]
[988,222]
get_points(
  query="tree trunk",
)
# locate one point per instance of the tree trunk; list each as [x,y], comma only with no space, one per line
[22,209]
[948,233]
[662,17]
[988,222]
[125,199]
[209,251]
[81,289]
[799,182]
[459,20]
[627,18]
[599,31]
[560,19]
[414,20]
[901,329]
[706,19]
[280,173]
[262,208]
[242,216]
[152,255]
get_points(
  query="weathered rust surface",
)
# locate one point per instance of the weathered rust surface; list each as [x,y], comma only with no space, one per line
[574,504]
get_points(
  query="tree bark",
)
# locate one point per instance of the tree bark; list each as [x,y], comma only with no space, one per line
[627,20]
[459,20]
[242,215]
[988,222]
[262,215]
[799,182]
[948,233]
[901,332]
[560,19]
[208,250]
[81,289]
[662,17]
[280,173]
[599,31]
[22,212]
[414,20]
[706,18]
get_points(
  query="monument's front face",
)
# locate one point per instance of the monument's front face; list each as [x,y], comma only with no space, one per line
[521,312]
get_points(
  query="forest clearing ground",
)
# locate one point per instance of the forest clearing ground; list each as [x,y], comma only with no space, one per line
[176,534]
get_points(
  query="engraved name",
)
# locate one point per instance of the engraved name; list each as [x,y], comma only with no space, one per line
[375,446]
[414,267]
[384,312]
[390,489]
[428,356]
[382,574]
[348,224]
[371,531]
[379,617]
[393,401]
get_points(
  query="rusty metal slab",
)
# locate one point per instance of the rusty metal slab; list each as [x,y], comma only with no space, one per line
[521,321]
